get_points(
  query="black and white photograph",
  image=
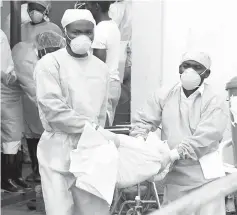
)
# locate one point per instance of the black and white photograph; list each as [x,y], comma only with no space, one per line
[124,107]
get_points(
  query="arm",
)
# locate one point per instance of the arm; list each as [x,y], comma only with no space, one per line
[99,44]
[25,70]
[208,134]
[53,106]
[102,116]
[8,75]
[149,118]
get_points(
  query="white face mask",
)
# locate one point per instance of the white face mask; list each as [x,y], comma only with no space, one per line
[36,16]
[81,44]
[191,79]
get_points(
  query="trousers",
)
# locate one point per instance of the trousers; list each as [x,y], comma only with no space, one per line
[61,196]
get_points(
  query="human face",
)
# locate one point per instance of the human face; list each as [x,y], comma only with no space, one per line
[36,12]
[35,6]
[77,28]
[199,68]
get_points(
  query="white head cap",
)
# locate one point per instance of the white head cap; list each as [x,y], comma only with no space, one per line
[200,57]
[72,15]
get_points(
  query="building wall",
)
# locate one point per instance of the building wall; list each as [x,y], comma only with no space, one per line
[162,33]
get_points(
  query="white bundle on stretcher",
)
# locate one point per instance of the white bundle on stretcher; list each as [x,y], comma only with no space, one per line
[99,166]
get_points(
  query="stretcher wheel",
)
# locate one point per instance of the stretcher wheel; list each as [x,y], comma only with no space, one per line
[132,211]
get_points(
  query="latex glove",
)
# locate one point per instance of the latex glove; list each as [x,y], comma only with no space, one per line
[169,159]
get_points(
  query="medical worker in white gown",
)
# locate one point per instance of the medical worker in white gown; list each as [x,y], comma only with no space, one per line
[71,89]
[193,121]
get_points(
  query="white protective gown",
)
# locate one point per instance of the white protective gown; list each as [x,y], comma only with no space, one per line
[29,31]
[25,59]
[11,104]
[195,126]
[70,91]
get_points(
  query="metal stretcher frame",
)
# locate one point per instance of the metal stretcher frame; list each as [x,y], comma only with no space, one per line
[137,202]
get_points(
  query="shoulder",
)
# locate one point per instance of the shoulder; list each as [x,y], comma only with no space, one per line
[107,26]
[21,49]
[3,37]
[210,98]
[48,61]
[54,26]
[165,92]
[100,64]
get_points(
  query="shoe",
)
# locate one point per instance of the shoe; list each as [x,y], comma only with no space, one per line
[21,182]
[8,170]
[10,186]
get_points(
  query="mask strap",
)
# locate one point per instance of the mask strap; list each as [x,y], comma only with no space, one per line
[203,72]
[65,30]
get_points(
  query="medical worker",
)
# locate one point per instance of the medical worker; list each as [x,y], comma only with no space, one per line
[38,12]
[193,121]
[106,47]
[25,56]
[71,89]
[11,122]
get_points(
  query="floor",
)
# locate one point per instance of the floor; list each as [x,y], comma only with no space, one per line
[18,206]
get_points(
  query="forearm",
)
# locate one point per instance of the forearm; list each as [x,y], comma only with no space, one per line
[206,138]
[60,117]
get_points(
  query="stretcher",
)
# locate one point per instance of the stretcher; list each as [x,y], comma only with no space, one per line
[141,198]
[138,199]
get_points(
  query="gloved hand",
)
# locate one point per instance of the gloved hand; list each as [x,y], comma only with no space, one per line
[169,159]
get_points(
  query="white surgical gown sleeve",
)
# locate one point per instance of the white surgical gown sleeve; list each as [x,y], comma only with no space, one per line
[149,117]
[208,134]
[25,69]
[8,75]
[102,116]
[54,109]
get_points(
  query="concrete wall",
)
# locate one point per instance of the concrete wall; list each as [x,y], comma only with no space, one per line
[146,50]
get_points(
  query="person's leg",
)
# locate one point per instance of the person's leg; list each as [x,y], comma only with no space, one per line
[26,154]
[8,172]
[88,204]
[56,194]
[114,95]
[18,171]
[32,146]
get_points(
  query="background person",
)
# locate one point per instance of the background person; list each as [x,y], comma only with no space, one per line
[38,12]
[106,46]
[11,123]
[25,56]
